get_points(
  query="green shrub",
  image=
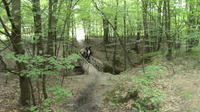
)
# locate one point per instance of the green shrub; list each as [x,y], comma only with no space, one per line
[143,96]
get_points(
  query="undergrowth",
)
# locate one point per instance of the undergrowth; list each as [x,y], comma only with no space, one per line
[141,93]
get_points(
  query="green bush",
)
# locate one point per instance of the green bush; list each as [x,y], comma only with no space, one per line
[144,97]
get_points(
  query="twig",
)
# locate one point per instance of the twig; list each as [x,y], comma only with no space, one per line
[5,28]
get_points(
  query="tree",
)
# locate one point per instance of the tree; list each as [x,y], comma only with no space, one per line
[52,23]
[38,26]
[115,36]
[145,23]
[168,28]
[105,30]
[16,40]
[192,41]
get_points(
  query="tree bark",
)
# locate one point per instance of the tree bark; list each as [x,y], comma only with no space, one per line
[125,34]
[145,24]
[37,25]
[16,41]
[115,37]
[192,41]
[51,26]
[37,31]
[168,28]
[105,30]
[159,37]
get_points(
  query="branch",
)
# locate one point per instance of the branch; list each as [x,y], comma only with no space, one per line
[3,33]
[113,27]
[5,28]
[7,46]
[4,49]
[5,66]
[8,12]
[75,3]
[3,42]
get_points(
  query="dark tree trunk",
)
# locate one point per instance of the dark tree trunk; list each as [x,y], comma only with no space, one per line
[105,30]
[167,28]
[145,24]
[38,25]
[37,31]
[115,37]
[51,26]
[125,34]
[192,42]
[66,28]
[159,37]
[18,48]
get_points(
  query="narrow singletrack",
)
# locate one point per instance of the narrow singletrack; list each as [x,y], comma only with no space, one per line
[86,100]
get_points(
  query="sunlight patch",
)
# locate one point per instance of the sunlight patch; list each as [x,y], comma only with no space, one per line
[80,34]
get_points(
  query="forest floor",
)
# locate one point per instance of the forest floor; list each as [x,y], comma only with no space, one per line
[182,88]
[181,85]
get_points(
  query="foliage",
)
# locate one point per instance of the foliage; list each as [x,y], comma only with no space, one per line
[43,65]
[141,93]
[59,94]
[179,24]
[151,97]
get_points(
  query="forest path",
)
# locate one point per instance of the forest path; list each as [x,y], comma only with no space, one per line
[88,91]
[87,98]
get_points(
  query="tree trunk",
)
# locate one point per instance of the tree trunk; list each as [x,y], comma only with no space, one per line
[37,30]
[145,24]
[52,26]
[38,25]
[66,28]
[105,30]
[19,50]
[125,34]
[192,41]
[159,37]
[115,37]
[167,28]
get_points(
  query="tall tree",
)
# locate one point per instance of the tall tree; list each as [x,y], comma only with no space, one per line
[115,36]
[192,41]
[145,23]
[159,24]
[38,34]
[38,25]
[167,17]
[105,30]
[125,33]
[16,40]
[52,26]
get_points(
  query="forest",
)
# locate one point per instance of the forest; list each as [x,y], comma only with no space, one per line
[99,56]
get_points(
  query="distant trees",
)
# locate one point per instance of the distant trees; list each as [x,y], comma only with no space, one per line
[192,40]
[38,26]
[167,23]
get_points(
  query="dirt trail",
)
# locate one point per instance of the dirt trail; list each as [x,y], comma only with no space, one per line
[88,91]
[85,101]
